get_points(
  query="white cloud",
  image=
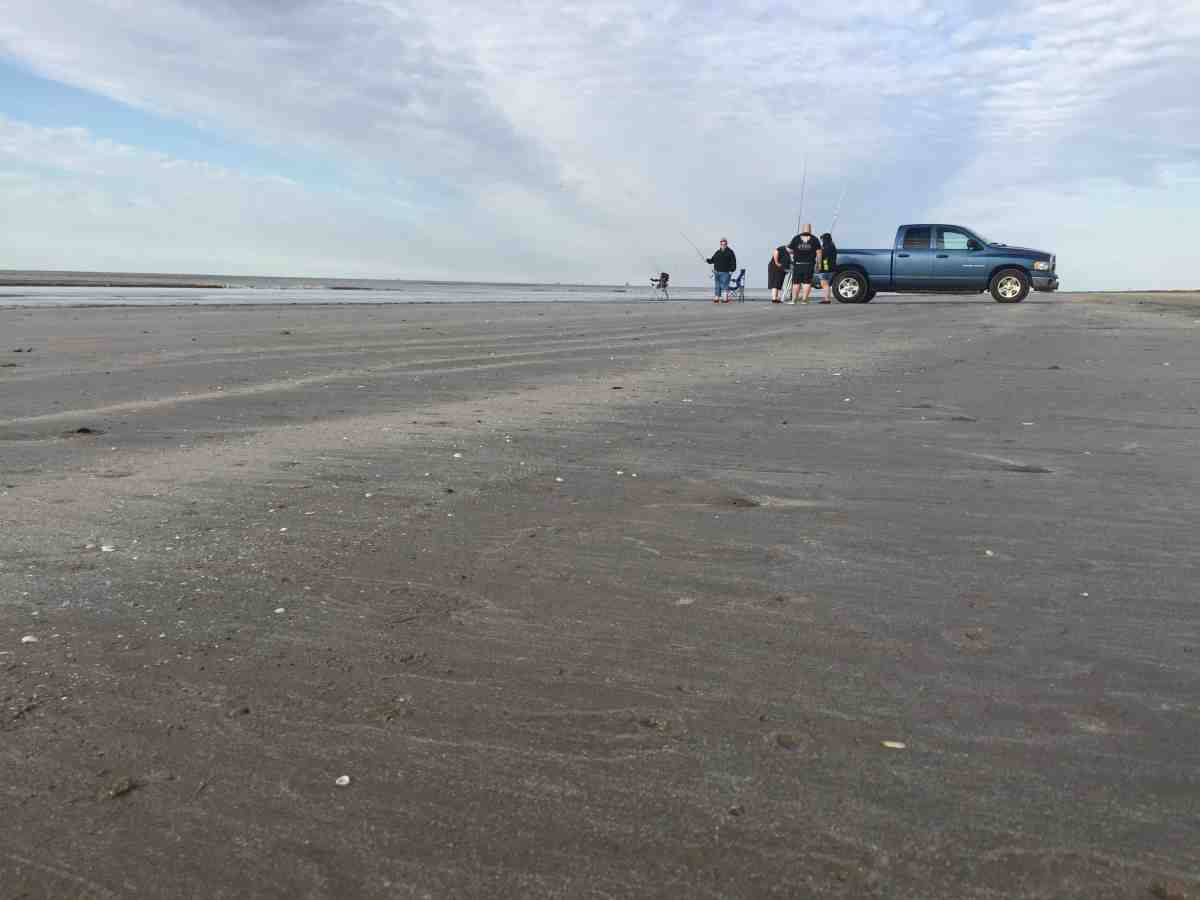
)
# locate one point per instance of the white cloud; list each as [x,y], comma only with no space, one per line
[573,141]
[78,202]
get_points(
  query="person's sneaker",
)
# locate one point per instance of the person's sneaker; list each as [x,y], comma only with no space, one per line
[716,299]
[823,302]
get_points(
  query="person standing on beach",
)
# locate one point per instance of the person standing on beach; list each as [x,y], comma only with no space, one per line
[724,263]
[777,269]
[827,265]
[806,255]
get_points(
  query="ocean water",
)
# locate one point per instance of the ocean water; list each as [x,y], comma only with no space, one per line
[43,289]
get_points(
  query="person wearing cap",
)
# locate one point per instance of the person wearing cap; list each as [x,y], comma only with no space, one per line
[724,263]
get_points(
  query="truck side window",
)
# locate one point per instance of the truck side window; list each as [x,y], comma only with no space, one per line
[917,238]
[950,239]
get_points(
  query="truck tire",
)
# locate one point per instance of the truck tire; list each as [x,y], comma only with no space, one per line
[1009,286]
[851,287]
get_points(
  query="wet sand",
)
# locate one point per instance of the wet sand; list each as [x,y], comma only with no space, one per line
[601,600]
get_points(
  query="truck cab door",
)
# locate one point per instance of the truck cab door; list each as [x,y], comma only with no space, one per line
[958,260]
[912,258]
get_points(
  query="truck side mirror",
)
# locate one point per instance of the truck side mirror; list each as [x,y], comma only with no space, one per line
[973,244]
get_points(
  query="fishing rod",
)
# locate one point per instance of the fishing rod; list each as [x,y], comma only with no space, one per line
[787,279]
[803,185]
[694,247]
[837,215]
[712,273]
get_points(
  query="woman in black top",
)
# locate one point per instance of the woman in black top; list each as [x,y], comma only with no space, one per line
[828,264]
[777,269]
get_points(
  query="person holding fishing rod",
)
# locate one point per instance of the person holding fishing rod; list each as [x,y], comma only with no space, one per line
[724,263]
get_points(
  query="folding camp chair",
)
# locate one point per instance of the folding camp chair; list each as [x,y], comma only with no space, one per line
[737,287]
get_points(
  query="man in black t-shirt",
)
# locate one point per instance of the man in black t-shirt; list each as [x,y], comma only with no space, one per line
[806,254]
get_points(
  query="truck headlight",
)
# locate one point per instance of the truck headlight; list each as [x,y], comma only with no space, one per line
[1041,265]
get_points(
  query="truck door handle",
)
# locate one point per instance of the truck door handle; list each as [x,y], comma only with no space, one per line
[905,255]
[943,256]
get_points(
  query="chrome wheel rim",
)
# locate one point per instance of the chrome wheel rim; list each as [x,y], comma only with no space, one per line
[847,288]
[1008,287]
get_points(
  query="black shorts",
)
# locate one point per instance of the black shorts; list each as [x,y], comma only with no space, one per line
[803,273]
[775,276]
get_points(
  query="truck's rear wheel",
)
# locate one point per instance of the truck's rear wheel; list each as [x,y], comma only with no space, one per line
[851,287]
[1009,286]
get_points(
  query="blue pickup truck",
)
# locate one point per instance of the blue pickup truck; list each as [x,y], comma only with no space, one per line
[946,258]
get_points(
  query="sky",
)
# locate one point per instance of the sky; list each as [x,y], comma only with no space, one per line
[580,142]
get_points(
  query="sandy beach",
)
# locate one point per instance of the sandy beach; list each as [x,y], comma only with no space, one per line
[601,600]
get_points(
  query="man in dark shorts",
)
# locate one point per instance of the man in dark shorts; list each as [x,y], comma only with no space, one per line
[806,254]
[777,269]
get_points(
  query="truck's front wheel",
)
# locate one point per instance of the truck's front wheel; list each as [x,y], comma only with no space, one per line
[1009,286]
[851,287]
